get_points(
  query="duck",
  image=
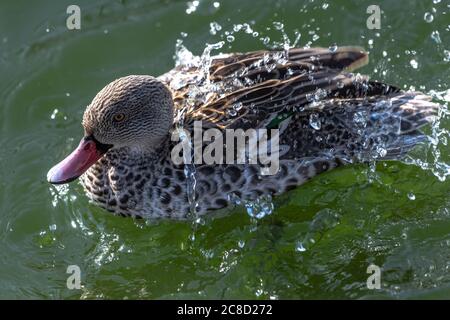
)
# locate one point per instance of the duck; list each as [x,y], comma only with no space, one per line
[324,115]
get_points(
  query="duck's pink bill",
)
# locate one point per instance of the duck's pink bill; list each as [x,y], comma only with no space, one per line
[76,163]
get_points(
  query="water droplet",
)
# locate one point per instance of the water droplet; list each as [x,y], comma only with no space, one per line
[214,27]
[436,37]
[233,198]
[384,53]
[314,121]
[325,6]
[230,38]
[54,113]
[238,106]
[333,48]
[265,40]
[259,208]
[200,221]
[237,27]
[411,196]
[216,4]
[380,152]
[232,112]
[360,119]
[278,25]
[428,17]
[299,247]
[447,55]
[414,63]
[192,6]
[315,37]
[247,28]
[241,243]
[436,1]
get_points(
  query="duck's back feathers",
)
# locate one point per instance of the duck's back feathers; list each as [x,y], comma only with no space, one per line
[247,90]
[291,90]
[262,82]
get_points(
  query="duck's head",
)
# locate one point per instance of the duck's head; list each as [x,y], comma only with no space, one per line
[133,111]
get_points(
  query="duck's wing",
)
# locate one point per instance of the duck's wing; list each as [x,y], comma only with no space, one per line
[348,58]
[249,90]
[310,96]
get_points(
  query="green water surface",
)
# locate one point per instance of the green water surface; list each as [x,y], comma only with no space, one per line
[321,237]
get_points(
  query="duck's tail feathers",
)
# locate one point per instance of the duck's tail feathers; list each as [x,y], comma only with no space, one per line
[394,125]
[361,129]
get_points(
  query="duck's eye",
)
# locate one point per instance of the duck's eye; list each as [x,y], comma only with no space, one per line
[119,117]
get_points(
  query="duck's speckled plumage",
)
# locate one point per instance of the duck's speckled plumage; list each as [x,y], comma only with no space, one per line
[356,120]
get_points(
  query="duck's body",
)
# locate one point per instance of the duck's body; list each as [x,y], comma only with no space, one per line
[325,117]
[155,188]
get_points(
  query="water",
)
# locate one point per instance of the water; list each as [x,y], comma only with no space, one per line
[318,240]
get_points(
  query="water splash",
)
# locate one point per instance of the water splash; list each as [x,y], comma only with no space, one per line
[257,209]
[199,88]
[434,157]
[286,42]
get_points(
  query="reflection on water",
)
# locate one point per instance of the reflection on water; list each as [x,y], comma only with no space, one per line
[319,239]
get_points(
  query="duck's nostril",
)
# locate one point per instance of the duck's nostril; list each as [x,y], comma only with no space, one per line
[91,143]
